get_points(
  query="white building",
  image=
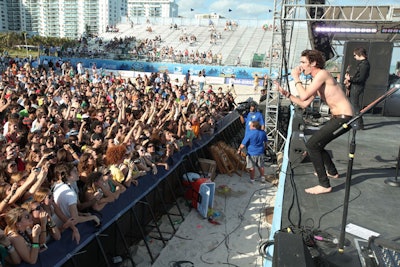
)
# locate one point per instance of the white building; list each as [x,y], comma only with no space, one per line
[60,18]
[152,8]
[74,18]
[3,16]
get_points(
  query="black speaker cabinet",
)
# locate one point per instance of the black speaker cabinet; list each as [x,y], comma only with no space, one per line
[290,251]
[297,147]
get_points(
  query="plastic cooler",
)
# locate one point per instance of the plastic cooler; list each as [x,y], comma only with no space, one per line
[200,191]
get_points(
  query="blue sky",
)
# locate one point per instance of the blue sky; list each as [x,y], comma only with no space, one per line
[258,9]
[255,9]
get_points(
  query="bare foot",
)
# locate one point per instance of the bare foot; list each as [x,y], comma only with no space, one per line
[316,190]
[336,176]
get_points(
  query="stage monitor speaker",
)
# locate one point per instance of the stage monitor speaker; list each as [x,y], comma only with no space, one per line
[379,57]
[290,250]
[297,147]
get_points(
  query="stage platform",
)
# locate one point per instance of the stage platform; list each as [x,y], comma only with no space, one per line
[373,204]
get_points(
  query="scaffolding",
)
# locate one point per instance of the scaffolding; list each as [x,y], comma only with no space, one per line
[286,13]
[277,64]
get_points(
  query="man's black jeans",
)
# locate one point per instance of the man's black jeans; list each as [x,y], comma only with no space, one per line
[316,148]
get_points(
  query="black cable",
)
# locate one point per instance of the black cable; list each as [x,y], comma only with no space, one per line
[295,199]
[166,239]
[332,210]
[292,166]
[262,249]
[224,240]
[181,264]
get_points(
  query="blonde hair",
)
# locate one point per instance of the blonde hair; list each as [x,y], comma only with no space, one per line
[41,194]
[13,217]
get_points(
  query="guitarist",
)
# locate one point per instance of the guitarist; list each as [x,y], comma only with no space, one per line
[357,82]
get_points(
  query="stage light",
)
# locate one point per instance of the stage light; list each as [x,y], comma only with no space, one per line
[390,30]
[327,29]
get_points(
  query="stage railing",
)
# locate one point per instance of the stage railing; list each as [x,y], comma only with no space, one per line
[129,219]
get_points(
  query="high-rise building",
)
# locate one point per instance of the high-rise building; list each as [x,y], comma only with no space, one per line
[60,18]
[3,16]
[75,18]
[14,11]
[152,8]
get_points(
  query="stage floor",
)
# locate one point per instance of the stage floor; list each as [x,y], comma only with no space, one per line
[373,204]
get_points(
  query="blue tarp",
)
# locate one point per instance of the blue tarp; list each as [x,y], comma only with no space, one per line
[240,72]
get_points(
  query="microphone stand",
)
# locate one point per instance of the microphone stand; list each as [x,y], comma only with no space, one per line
[351,159]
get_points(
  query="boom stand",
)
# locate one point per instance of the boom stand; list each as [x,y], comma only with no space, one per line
[351,158]
[394,182]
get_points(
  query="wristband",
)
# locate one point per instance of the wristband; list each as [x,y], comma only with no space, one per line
[35,245]
[297,83]
[51,225]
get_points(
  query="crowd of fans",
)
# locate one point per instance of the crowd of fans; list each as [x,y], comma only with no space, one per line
[149,49]
[73,142]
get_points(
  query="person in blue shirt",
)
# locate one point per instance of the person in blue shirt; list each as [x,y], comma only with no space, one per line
[255,141]
[253,115]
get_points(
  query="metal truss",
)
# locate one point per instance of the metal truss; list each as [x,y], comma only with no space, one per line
[277,64]
[286,13]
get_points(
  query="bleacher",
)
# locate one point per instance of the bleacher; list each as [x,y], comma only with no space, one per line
[240,43]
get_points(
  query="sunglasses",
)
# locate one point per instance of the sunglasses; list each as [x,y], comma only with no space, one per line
[38,208]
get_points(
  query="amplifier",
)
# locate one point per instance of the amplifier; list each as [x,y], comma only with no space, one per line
[378,252]
[290,250]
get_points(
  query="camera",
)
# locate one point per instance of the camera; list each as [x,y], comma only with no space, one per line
[136,161]
[243,108]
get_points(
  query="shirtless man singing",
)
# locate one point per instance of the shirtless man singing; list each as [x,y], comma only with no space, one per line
[327,88]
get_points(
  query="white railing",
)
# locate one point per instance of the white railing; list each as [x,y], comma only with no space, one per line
[197,22]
